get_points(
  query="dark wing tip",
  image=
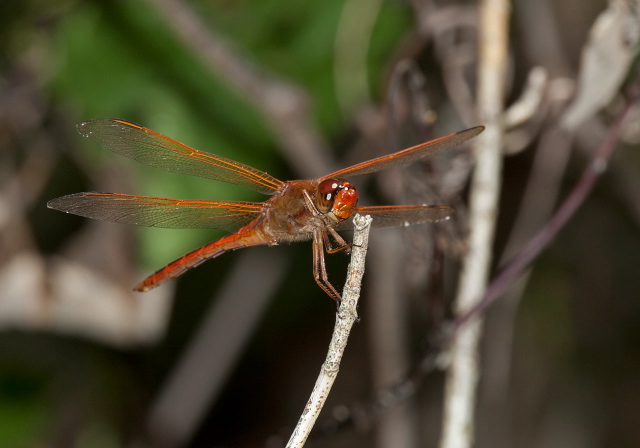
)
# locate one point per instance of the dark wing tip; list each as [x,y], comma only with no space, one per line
[472,132]
[58,203]
[66,203]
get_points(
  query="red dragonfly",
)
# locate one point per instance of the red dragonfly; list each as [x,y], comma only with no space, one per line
[298,210]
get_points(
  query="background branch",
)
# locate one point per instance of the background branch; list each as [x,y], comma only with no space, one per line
[566,211]
[284,106]
[462,375]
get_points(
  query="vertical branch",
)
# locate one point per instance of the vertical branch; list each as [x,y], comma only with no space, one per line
[462,376]
[347,315]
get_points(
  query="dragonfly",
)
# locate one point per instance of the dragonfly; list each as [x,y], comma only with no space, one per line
[298,210]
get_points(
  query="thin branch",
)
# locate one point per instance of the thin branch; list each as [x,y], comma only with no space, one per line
[347,315]
[460,394]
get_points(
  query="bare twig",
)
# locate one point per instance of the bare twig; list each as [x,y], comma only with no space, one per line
[463,374]
[347,315]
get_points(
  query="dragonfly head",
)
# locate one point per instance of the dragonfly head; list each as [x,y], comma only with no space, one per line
[336,198]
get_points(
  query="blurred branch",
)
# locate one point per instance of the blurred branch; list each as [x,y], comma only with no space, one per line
[388,325]
[529,102]
[605,60]
[200,375]
[463,373]
[284,106]
[540,195]
[542,36]
[568,208]
[536,206]
[458,54]
[351,51]
[346,316]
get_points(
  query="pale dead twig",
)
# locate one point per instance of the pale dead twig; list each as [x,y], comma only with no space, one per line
[463,372]
[347,315]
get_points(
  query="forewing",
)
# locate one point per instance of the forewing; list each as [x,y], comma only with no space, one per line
[407,156]
[159,212]
[154,149]
[400,215]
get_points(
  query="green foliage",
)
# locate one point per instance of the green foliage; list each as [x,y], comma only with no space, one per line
[22,409]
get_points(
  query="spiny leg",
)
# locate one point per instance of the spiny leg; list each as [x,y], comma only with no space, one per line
[319,268]
[341,243]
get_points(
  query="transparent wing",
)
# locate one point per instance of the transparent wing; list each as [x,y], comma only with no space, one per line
[407,156]
[159,212]
[154,149]
[400,215]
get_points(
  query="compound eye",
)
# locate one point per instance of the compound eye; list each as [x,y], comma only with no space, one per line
[326,195]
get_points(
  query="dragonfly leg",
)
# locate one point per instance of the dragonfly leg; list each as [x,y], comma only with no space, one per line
[341,243]
[319,269]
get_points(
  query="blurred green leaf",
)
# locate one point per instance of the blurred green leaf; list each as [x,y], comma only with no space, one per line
[23,410]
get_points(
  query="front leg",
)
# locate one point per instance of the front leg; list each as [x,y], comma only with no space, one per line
[341,243]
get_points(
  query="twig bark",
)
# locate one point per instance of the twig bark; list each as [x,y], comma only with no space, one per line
[347,315]
[458,431]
